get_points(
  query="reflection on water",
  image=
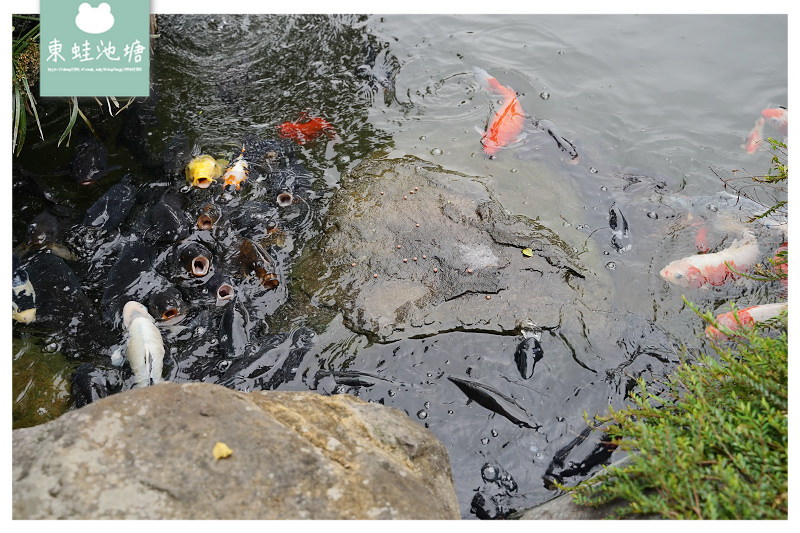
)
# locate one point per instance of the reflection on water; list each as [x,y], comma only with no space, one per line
[648,103]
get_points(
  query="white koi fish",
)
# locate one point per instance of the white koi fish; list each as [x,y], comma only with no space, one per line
[236,174]
[711,269]
[145,348]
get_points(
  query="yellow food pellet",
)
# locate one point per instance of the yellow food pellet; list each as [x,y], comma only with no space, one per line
[221,451]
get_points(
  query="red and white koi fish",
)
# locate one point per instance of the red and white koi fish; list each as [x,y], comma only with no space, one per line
[236,174]
[710,269]
[745,318]
[145,348]
[756,136]
[778,118]
[310,129]
[506,124]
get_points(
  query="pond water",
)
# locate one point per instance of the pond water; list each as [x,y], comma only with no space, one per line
[657,107]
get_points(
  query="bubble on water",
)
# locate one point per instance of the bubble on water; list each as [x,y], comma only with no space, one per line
[494,433]
[713,208]
[437,151]
[427,405]
[513,171]
[605,252]
[534,449]
[652,214]
[603,188]
[392,393]
[611,265]
[449,411]
[422,414]
[422,137]
[593,170]
[485,440]
[544,95]
[489,473]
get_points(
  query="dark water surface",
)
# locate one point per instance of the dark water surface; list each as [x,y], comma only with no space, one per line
[655,106]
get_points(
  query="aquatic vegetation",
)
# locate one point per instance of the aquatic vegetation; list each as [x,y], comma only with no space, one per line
[714,447]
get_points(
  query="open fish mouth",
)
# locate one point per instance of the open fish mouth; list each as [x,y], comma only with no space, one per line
[224,292]
[200,266]
[203,183]
[205,222]
[170,313]
[284,199]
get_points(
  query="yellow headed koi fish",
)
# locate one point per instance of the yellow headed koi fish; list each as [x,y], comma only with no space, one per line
[202,171]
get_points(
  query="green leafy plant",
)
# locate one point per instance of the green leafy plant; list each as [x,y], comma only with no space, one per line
[714,446]
[25,72]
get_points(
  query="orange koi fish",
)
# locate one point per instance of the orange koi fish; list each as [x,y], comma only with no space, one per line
[506,124]
[308,130]
[744,318]
[756,136]
[711,269]
[236,174]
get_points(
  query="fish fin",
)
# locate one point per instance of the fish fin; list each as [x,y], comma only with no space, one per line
[117,357]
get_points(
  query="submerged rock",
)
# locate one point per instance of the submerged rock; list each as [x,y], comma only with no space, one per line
[415,250]
[147,454]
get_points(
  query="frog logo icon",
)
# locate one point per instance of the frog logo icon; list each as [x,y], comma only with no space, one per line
[94,19]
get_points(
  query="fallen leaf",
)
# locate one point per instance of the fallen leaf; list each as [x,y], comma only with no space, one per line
[527,252]
[221,451]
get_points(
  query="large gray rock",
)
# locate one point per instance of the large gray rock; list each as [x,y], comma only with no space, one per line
[147,454]
[469,273]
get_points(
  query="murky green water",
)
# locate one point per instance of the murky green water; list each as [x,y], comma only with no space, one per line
[656,105]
